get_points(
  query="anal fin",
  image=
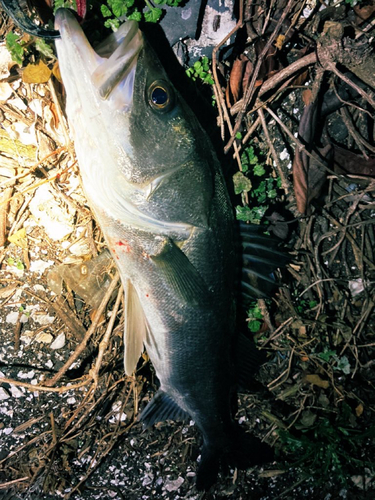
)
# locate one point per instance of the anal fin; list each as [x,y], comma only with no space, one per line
[160,408]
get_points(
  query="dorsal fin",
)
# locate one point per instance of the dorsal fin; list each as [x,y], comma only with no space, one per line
[261,255]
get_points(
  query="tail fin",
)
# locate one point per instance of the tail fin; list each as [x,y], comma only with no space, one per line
[243,451]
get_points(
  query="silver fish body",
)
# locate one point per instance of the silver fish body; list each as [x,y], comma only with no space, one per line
[157,191]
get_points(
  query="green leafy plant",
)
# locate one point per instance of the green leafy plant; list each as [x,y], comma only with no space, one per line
[16,263]
[353,3]
[20,49]
[16,47]
[201,71]
[338,363]
[261,186]
[305,305]
[255,317]
[326,450]
[44,48]
[64,4]
[136,10]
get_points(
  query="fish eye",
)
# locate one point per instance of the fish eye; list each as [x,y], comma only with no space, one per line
[160,96]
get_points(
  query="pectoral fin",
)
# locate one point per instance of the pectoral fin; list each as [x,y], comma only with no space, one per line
[135,330]
[180,274]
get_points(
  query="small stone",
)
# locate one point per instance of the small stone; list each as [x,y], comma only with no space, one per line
[15,392]
[3,394]
[173,484]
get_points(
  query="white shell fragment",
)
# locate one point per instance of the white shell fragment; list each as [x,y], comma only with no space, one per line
[5,62]
[356,286]
[56,217]
[59,342]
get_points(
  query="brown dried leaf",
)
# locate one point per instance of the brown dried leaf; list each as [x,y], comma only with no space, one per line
[301,79]
[280,42]
[227,96]
[308,175]
[300,182]
[316,380]
[36,73]
[359,410]
[363,12]
[55,115]
[235,78]
[307,96]
[347,162]
[56,72]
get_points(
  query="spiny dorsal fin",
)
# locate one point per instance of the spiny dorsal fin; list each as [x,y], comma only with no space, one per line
[261,255]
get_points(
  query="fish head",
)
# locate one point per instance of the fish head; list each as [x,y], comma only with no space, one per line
[121,85]
[137,142]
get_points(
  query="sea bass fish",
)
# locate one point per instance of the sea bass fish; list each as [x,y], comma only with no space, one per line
[158,193]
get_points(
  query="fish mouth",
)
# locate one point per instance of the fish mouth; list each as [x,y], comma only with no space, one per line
[111,66]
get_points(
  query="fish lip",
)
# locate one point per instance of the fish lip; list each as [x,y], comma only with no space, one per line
[64,19]
[73,37]
[113,63]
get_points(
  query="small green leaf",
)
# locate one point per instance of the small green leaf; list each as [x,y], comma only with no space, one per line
[112,23]
[254,326]
[105,11]
[45,49]
[208,79]
[272,193]
[243,213]
[259,170]
[327,355]
[201,70]
[135,16]
[343,365]
[15,48]
[255,312]
[241,183]
[119,8]
[239,136]
[153,15]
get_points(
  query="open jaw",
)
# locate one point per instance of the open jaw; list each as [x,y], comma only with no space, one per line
[110,69]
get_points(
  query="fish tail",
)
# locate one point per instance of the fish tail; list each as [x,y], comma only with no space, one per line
[242,451]
[208,468]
